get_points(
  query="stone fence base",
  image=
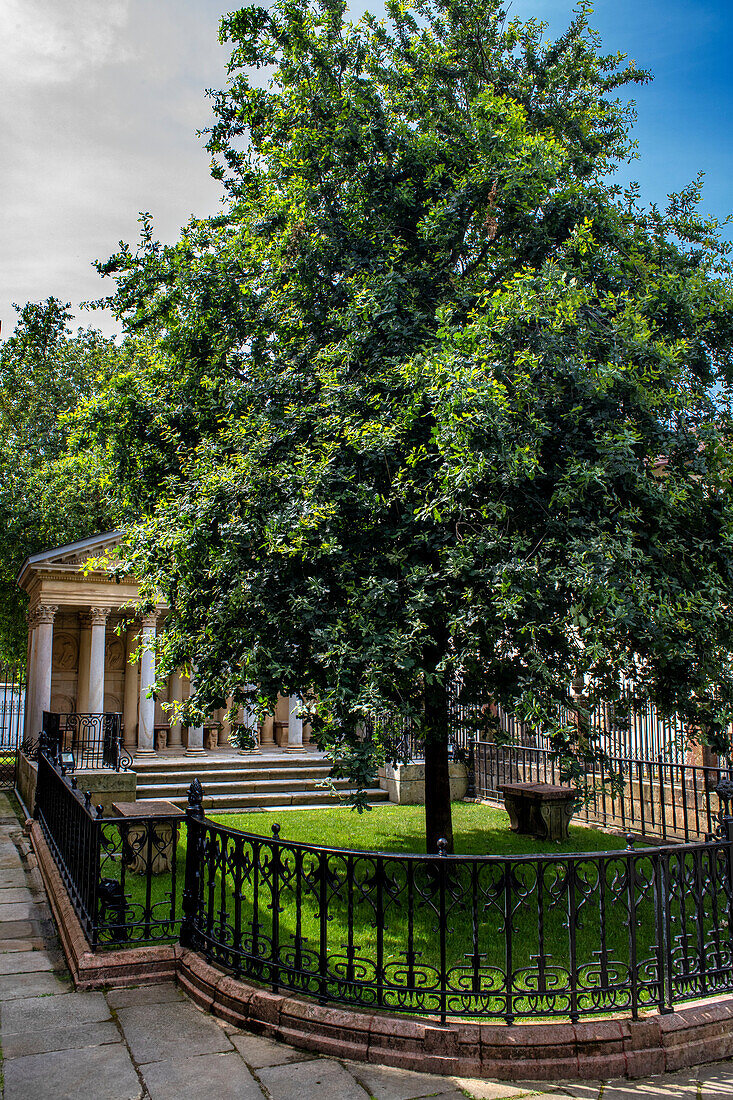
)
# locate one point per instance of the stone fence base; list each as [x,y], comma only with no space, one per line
[106,786]
[602,1048]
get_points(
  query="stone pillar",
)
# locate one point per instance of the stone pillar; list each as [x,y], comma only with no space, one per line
[195,735]
[175,695]
[30,678]
[132,688]
[267,734]
[85,652]
[98,617]
[226,729]
[295,724]
[146,711]
[39,675]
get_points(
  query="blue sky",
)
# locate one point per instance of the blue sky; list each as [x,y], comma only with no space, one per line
[100,101]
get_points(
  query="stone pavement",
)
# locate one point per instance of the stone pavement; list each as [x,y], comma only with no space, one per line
[152,1043]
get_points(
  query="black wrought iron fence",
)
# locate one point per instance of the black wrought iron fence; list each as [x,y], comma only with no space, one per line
[122,874]
[629,728]
[472,936]
[12,705]
[12,717]
[94,739]
[655,798]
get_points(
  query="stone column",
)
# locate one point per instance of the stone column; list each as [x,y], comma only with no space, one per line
[146,711]
[295,724]
[175,695]
[85,652]
[30,678]
[98,616]
[132,688]
[195,735]
[267,734]
[39,676]
[226,729]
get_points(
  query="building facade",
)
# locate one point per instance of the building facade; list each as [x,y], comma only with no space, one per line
[83,637]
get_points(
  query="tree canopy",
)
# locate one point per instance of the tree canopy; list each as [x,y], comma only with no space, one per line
[404,421]
[50,492]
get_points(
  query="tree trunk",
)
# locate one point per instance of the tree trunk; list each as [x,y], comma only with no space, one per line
[438,821]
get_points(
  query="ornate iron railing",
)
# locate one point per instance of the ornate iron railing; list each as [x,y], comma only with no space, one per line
[122,874]
[94,739]
[472,936]
[629,729]
[12,705]
[656,798]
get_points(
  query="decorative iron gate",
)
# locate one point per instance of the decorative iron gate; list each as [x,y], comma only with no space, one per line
[12,714]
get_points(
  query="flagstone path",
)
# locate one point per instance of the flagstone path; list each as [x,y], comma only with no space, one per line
[152,1043]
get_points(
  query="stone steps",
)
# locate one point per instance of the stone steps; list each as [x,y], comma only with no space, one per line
[265,786]
[233,775]
[211,763]
[304,799]
[254,784]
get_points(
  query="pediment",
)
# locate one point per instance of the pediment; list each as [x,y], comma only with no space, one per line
[69,558]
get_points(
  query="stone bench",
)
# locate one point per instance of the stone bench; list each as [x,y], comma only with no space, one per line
[542,810]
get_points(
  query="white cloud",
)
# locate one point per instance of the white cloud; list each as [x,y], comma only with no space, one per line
[47,41]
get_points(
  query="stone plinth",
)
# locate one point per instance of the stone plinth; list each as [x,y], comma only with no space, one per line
[108,786]
[163,833]
[542,810]
[405,783]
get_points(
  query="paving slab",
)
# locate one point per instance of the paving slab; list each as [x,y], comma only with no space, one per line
[322,1079]
[14,893]
[20,929]
[74,1037]
[207,1077]
[10,862]
[490,1090]
[21,986]
[177,1031]
[24,962]
[455,1095]
[102,1073]
[144,995]
[716,1081]
[22,910]
[258,1051]
[10,877]
[42,1012]
[387,1083]
[667,1087]
[35,943]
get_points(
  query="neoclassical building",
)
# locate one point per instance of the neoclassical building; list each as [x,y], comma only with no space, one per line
[83,634]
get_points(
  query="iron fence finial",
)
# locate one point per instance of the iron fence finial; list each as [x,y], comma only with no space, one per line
[196,795]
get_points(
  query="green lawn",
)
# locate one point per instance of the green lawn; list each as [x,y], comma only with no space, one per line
[478,830]
[344,945]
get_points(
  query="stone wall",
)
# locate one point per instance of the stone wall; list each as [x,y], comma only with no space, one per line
[27,777]
[106,786]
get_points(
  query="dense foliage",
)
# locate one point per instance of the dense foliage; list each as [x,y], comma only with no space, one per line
[50,492]
[430,401]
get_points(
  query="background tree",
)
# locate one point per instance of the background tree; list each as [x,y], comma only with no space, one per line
[410,390]
[49,493]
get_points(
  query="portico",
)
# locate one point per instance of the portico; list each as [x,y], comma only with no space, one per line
[83,635]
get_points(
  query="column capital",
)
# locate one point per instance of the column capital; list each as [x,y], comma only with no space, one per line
[42,613]
[98,615]
[150,621]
